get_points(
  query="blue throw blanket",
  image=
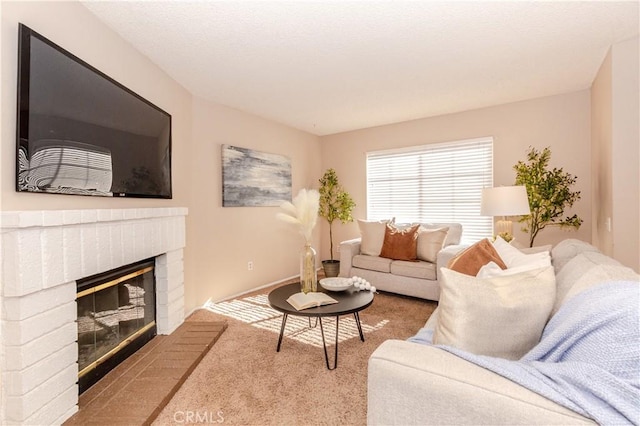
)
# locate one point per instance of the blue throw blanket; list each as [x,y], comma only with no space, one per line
[588,358]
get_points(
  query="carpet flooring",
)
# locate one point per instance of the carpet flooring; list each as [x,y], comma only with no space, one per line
[243,380]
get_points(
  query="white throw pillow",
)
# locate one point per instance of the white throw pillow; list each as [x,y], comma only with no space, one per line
[536,249]
[430,242]
[513,258]
[372,233]
[491,269]
[500,316]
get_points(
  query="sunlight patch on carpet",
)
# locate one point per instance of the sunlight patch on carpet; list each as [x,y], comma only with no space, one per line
[255,310]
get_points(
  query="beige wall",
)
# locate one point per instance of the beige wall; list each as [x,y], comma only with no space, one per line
[561,122]
[616,144]
[221,240]
[602,186]
[625,154]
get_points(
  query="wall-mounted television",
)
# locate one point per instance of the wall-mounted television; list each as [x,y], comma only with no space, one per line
[81,132]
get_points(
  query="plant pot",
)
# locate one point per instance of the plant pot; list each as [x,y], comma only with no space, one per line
[331,268]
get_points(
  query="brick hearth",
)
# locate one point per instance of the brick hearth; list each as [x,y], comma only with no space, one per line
[136,391]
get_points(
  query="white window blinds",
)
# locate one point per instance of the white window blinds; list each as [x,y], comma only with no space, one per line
[433,183]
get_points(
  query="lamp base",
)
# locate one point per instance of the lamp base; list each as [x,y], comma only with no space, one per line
[504,229]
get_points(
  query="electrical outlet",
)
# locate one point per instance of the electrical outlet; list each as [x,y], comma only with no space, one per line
[250,266]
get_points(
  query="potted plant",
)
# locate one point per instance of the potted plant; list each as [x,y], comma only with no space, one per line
[549,192]
[335,203]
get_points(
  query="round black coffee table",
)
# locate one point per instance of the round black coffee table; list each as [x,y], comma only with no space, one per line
[349,302]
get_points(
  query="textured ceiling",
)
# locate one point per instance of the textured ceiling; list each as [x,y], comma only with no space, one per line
[332,66]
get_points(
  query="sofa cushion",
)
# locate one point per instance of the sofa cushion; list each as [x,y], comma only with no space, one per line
[566,250]
[501,316]
[424,270]
[400,244]
[430,242]
[372,232]
[470,260]
[373,263]
[585,270]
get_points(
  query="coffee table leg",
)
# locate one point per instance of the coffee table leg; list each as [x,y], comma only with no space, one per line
[335,364]
[324,344]
[284,322]
[357,317]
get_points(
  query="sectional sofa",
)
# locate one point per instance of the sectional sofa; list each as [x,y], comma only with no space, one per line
[417,382]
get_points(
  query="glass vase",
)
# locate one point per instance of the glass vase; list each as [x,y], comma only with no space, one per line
[308,273]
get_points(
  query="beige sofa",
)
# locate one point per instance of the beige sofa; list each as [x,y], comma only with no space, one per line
[410,278]
[412,383]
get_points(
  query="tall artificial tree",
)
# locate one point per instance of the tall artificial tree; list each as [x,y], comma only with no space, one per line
[549,193]
[335,202]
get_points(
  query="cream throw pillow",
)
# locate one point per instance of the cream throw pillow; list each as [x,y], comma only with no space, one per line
[501,316]
[372,232]
[430,242]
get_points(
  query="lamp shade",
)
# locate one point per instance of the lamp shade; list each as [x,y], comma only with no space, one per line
[504,201]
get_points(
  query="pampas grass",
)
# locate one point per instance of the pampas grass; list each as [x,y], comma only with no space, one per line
[303,212]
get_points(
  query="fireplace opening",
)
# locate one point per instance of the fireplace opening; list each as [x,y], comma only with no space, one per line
[116,317]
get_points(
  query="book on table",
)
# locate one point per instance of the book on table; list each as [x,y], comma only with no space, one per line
[302,301]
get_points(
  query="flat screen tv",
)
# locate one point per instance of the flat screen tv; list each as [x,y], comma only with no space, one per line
[81,132]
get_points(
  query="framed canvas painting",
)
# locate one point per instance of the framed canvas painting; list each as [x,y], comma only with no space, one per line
[253,178]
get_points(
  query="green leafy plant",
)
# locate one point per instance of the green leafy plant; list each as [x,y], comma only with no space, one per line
[335,202]
[549,193]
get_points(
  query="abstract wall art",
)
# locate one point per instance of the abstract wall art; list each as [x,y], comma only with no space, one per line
[253,178]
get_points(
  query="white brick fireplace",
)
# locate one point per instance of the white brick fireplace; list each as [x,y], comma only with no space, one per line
[43,254]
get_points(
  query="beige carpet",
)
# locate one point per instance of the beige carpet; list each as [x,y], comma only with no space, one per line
[244,381]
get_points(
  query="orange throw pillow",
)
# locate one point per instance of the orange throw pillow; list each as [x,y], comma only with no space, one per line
[475,257]
[400,244]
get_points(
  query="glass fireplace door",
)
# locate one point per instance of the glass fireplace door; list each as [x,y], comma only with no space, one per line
[114,309]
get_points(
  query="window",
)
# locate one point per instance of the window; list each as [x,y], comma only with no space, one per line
[433,183]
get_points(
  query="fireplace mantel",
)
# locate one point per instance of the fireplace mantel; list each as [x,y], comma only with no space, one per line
[43,254]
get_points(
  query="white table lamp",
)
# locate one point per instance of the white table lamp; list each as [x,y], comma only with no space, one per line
[504,201]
